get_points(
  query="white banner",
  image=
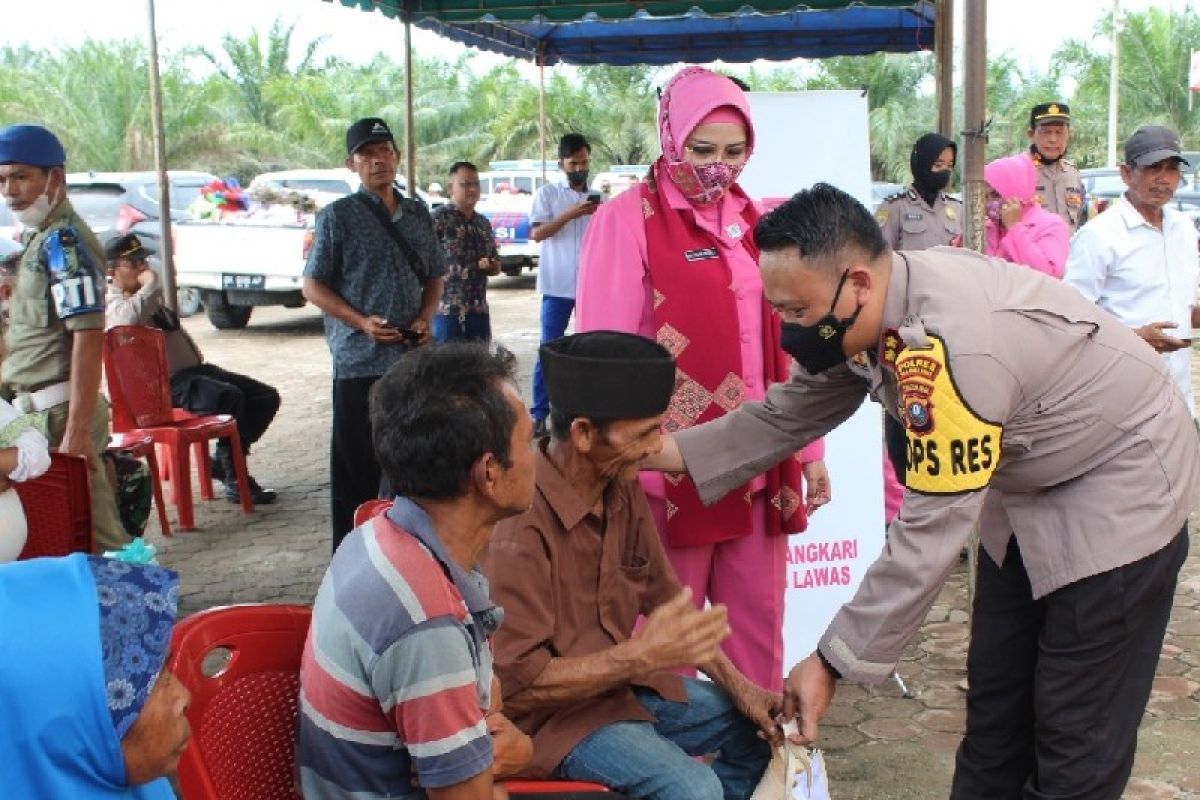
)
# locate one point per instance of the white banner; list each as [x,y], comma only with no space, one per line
[802,138]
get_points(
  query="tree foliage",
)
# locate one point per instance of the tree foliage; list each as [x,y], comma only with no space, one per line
[270,102]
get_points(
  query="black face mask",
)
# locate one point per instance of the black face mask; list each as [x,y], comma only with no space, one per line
[578,178]
[818,347]
[938,181]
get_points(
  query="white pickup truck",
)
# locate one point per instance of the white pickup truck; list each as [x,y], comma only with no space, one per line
[230,267]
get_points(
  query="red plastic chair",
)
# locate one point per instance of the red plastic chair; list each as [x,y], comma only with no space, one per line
[242,666]
[135,364]
[370,509]
[140,446]
[572,789]
[58,508]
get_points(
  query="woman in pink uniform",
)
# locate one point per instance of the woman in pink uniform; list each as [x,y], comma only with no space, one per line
[673,259]
[1018,229]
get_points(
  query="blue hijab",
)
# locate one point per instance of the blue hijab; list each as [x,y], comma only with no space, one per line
[82,641]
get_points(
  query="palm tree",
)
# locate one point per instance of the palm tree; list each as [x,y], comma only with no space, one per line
[251,64]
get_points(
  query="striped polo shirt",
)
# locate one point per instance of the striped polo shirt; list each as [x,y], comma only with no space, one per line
[395,678]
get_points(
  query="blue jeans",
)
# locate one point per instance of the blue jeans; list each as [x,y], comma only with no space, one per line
[654,760]
[473,326]
[556,313]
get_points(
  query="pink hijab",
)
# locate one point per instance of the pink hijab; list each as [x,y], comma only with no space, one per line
[692,97]
[1041,239]
[1013,176]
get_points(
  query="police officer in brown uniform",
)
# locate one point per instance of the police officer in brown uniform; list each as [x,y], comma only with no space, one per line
[1027,408]
[923,215]
[1059,187]
[55,335]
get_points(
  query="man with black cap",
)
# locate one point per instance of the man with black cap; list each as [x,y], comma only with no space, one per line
[55,337]
[1060,186]
[375,269]
[1138,260]
[135,298]
[923,215]
[576,571]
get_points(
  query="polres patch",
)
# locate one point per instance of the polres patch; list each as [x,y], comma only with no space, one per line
[951,449]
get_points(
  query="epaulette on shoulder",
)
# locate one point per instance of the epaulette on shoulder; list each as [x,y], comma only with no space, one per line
[949,198]
[897,196]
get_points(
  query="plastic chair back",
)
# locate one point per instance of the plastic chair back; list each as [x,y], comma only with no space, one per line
[242,666]
[139,381]
[58,508]
[369,509]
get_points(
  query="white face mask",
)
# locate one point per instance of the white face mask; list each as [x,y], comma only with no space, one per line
[33,215]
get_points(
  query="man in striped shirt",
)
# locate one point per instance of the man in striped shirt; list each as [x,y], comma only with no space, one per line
[396,683]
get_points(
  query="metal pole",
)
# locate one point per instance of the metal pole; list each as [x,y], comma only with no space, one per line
[542,109]
[410,133]
[166,251]
[943,49]
[975,119]
[1114,74]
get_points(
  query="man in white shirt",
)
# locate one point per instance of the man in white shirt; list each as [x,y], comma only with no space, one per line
[561,212]
[1138,260]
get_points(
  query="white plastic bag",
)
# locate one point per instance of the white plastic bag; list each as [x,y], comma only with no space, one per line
[795,772]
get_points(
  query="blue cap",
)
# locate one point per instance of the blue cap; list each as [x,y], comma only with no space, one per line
[31,144]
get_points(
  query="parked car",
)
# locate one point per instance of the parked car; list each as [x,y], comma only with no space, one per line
[881,191]
[116,203]
[1104,184]
[327,185]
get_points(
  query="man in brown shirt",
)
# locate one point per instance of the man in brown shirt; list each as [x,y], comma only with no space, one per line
[575,572]
[1026,408]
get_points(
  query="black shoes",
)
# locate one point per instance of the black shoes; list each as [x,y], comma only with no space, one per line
[221,469]
[258,495]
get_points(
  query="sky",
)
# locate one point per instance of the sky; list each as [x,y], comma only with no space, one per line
[1031,29]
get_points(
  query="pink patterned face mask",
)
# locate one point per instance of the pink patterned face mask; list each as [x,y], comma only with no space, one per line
[705,184]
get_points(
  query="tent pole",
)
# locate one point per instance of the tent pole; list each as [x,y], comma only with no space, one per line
[943,48]
[166,251]
[410,133]
[542,108]
[975,119]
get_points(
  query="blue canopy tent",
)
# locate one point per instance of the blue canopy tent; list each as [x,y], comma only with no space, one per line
[698,36]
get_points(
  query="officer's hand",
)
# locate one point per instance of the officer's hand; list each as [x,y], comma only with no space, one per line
[79,443]
[1010,212]
[807,693]
[1156,336]
[818,490]
[377,330]
[677,634]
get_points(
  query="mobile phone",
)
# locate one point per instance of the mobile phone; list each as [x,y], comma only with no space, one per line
[595,197]
[1191,336]
[406,334]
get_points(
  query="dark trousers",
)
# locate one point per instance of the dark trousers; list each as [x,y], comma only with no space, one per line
[354,472]
[208,389]
[1057,686]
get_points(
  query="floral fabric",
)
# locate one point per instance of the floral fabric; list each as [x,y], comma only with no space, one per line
[138,604]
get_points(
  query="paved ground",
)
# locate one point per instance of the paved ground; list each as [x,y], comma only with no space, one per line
[879,745]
